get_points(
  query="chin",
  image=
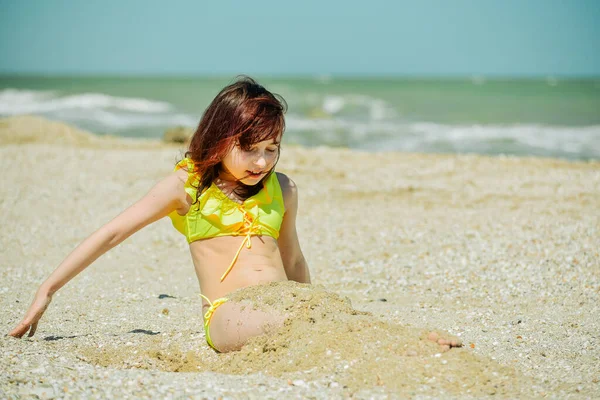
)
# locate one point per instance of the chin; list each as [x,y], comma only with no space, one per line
[251,182]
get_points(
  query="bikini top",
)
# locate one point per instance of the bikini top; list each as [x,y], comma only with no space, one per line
[215,214]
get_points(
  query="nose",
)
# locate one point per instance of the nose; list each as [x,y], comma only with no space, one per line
[260,162]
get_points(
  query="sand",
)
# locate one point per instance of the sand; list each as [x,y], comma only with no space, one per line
[500,252]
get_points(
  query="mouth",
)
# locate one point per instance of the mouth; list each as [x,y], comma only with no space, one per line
[254,174]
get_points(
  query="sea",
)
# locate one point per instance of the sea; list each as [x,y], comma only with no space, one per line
[545,117]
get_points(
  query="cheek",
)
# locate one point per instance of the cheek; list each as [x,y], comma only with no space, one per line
[272,157]
[235,159]
[227,162]
[243,159]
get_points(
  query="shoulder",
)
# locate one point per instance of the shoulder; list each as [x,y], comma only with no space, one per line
[172,188]
[289,189]
[288,186]
[180,175]
[174,180]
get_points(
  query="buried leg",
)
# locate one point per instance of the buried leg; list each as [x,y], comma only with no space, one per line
[234,323]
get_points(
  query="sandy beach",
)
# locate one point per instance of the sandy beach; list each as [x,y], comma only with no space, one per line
[501,252]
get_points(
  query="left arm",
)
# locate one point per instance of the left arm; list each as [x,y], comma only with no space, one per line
[294,263]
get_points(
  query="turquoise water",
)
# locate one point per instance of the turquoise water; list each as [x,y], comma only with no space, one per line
[544,117]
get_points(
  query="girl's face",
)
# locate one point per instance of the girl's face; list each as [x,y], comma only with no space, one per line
[250,166]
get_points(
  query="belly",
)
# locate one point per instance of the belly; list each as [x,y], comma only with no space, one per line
[261,263]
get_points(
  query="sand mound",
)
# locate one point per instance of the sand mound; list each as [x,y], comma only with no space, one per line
[325,339]
[25,129]
[31,129]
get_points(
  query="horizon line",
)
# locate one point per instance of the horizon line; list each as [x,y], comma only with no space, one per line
[322,77]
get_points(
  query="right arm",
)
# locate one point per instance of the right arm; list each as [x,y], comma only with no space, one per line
[166,196]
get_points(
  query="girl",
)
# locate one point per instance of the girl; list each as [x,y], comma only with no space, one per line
[237,214]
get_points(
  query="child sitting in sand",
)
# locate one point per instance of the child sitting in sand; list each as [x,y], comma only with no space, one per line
[236,213]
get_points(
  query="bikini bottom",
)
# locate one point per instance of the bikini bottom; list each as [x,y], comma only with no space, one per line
[208,316]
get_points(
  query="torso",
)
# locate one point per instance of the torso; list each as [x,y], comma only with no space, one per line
[256,265]
[259,264]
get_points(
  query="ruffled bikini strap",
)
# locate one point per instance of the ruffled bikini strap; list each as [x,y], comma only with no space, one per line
[186,164]
[193,179]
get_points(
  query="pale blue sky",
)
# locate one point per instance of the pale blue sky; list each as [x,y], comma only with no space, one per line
[375,37]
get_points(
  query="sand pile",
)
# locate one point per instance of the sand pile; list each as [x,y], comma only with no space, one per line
[325,339]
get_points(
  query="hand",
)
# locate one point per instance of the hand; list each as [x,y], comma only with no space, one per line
[36,310]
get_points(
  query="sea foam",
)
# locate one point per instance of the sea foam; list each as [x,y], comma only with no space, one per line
[519,139]
[94,111]
[349,120]
[13,102]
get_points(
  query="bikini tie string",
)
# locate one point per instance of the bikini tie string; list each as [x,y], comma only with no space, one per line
[251,229]
[213,306]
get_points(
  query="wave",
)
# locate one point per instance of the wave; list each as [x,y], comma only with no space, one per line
[315,105]
[353,121]
[13,102]
[103,120]
[94,111]
[573,140]
[518,139]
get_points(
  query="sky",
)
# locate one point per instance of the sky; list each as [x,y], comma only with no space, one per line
[297,38]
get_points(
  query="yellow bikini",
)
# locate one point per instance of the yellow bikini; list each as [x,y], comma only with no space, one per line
[215,215]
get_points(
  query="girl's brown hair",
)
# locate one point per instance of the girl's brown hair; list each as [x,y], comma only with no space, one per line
[243,113]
